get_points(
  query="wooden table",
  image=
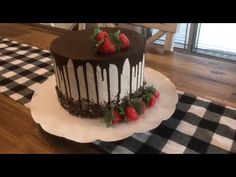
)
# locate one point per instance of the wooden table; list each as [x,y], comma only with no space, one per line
[20,134]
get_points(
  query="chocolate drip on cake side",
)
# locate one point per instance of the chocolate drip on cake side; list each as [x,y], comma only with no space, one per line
[86,79]
[60,68]
[103,66]
[119,83]
[76,78]
[119,66]
[137,84]
[102,74]
[96,82]
[108,85]
[130,82]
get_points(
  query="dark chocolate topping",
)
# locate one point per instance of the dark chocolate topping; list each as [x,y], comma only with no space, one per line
[78,45]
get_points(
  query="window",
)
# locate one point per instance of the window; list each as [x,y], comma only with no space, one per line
[213,39]
[216,39]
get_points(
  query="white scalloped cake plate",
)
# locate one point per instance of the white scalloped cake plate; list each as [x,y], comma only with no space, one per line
[47,112]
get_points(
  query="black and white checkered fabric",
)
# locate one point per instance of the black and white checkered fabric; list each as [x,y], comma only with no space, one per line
[21,67]
[197,126]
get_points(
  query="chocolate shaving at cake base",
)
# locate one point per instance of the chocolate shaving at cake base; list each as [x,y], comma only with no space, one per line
[87,109]
[82,108]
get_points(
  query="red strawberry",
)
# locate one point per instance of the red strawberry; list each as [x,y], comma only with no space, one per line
[106,47]
[157,94]
[117,116]
[152,101]
[131,114]
[125,41]
[101,35]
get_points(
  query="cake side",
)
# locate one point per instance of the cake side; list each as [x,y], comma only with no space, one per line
[99,82]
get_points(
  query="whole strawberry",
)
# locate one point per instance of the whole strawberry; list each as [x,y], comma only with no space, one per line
[101,35]
[117,117]
[131,114]
[125,41]
[106,47]
[152,101]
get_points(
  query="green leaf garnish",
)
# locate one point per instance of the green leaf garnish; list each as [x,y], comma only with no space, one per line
[146,98]
[115,39]
[137,103]
[121,110]
[108,116]
[96,31]
[151,89]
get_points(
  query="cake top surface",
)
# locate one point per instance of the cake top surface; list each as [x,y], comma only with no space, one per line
[78,45]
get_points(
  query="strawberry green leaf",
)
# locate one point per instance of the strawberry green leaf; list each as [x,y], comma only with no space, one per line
[108,116]
[115,39]
[96,31]
[138,105]
[121,110]
[117,34]
[93,37]
[146,98]
[151,89]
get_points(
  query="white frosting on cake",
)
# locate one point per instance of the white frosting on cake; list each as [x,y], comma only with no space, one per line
[63,89]
[82,87]
[134,78]
[72,80]
[125,79]
[102,85]
[58,75]
[142,69]
[91,83]
[66,81]
[113,81]
[139,71]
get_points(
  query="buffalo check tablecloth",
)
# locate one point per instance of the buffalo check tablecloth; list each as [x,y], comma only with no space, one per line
[197,126]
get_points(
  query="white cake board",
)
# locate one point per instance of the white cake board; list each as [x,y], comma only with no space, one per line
[47,112]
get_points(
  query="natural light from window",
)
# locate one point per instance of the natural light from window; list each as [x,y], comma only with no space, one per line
[218,36]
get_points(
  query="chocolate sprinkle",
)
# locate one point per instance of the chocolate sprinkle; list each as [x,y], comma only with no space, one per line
[86,109]
[82,108]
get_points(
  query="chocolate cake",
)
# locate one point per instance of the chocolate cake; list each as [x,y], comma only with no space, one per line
[86,80]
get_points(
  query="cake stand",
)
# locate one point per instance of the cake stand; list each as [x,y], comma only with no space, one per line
[47,112]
